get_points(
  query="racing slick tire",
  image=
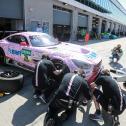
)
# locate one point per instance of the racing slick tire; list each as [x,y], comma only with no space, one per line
[11,81]
[2,57]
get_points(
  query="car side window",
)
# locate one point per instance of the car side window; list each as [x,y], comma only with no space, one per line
[11,39]
[17,39]
[23,39]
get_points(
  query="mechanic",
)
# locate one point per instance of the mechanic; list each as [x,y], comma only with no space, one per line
[111,98]
[70,93]
[43,81]
[117,52]
[39,28]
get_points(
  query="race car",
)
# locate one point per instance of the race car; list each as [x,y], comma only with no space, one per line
[24,49]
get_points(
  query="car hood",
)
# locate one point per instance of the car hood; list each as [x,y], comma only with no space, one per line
[73,51]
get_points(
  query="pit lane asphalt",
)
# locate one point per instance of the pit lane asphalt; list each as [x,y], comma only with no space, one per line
[20,109]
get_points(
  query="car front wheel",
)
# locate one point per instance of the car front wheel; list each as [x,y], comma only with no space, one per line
[61,65]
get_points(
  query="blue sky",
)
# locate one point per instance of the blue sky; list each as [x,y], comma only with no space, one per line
[123,2]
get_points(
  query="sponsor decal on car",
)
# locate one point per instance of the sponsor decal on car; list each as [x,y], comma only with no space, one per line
[91,55]
[14,52]
[26,52]
[26,55]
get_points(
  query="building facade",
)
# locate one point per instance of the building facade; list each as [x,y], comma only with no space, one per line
[65,19]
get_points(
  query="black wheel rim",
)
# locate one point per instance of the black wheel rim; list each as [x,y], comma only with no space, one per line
[9,74]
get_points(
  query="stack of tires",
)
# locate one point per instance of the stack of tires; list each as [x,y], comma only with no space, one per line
[10,81]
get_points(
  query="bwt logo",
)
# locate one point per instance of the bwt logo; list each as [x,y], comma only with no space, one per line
[14,52]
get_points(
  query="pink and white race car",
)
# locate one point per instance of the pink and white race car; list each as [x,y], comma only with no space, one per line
[24,49]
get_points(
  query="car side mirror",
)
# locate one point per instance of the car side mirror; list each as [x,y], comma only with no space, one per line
[23,44]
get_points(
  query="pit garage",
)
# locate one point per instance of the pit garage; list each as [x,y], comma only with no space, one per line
[82,25]
[11,17]
[61,26]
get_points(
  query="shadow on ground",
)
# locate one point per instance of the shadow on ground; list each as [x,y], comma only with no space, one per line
[29,111]
[82,116]
[6,97]
[116,65]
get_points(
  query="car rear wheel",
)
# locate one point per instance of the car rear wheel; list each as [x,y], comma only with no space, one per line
[2,57]
[10,81]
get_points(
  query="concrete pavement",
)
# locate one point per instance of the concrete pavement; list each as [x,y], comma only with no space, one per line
[21,110]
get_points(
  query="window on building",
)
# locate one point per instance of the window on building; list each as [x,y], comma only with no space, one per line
[93,5]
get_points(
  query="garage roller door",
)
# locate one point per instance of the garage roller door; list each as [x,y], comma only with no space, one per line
[11,9]
[61,17]
[82,20]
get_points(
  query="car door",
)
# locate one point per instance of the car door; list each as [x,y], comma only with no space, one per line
[14,48]
[17,51]
[26,52]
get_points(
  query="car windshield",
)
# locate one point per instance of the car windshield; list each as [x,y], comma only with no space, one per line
[42,40]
